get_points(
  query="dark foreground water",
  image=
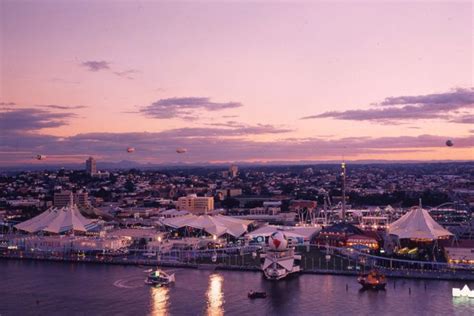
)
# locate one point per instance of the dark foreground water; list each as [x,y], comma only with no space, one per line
[48,288]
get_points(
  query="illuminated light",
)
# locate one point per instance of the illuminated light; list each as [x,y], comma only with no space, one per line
[214,237]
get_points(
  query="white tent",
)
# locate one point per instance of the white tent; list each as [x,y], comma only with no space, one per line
[215,225]
[418,224]
[305,233]
[58,221]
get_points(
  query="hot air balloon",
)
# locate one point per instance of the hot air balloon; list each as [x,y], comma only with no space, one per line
[181,150]
[40,157]
[449,143]
[130,149]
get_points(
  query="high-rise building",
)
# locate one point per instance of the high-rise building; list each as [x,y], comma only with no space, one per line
[196,204]
[233,170]
[91,167]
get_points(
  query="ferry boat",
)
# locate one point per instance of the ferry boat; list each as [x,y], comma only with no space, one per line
[280,260]
[159,278]
[374,280]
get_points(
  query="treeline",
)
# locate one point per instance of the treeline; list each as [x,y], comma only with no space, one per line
[399,198]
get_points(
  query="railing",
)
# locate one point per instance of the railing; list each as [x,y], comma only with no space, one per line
[314,259]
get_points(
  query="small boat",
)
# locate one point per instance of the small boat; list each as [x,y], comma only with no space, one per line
[159,278]
[253,294]
[374,280]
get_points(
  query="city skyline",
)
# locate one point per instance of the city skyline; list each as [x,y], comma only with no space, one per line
[249,82]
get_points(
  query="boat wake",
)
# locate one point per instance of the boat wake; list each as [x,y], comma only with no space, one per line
[130,283]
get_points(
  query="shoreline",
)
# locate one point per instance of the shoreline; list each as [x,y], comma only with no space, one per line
[390,273]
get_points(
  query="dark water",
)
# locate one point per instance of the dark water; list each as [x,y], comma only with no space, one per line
[43,288]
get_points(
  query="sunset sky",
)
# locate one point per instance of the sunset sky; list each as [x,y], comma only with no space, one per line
[235,81]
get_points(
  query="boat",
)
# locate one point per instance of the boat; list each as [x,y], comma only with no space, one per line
[279,260]
[374,280]
[464,292]
[159,278]
[253,294]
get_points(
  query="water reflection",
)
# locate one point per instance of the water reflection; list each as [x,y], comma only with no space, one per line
[159,300]
[215,296]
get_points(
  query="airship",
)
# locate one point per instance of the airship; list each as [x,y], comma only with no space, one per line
[130,149]
[449,143]
[40,157]
[181,150]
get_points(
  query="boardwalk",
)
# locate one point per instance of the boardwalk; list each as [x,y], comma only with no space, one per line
[315,260]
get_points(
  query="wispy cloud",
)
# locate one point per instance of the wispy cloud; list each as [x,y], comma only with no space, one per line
[456,98]
[396,110]
[126,73]
[465,119]
[7,103]
[31,119]
[102,65]
[185,108]
[96,65]
[241,128]
[63,107]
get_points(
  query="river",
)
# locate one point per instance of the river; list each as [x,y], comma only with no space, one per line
[52,288]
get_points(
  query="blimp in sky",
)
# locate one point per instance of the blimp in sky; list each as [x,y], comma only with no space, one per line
[449,143]
[40,157]
[181,150]
[130,149]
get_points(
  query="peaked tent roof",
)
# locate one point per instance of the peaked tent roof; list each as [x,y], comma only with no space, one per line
[215,225]
[343,228]
[58,221]
[417,224]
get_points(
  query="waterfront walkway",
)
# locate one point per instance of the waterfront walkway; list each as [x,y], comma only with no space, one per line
[315,260]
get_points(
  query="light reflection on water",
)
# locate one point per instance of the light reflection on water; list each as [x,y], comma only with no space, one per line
[159,300]
[215,296]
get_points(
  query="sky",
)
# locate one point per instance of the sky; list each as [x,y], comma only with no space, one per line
[235,81]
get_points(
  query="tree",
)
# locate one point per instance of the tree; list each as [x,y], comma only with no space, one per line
[230,202]
[129,186]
